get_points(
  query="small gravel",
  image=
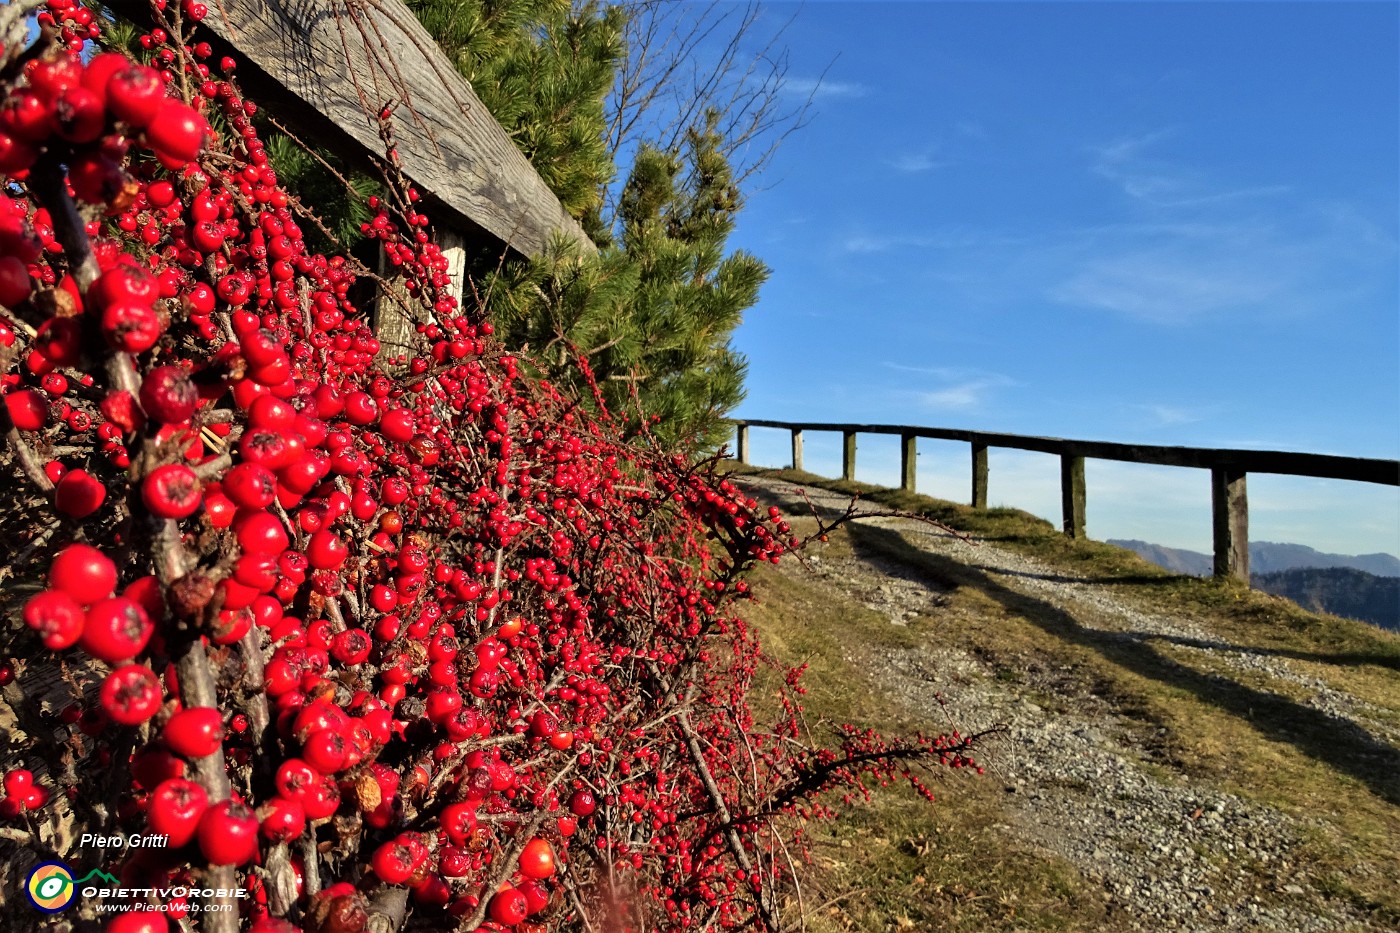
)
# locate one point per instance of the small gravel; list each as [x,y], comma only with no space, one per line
[1081,780]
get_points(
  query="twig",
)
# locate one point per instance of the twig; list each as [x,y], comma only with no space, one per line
[730,834]
[388,910]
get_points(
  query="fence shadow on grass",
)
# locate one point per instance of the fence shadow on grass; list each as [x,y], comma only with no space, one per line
[1339,743]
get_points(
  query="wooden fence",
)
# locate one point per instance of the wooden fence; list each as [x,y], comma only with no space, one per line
[1228,469]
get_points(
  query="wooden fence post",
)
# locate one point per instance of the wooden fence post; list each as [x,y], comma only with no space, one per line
[848,456]
[1230,514]
[908,461]
[797,448]
[1072,494]
[979,475]
[742,442]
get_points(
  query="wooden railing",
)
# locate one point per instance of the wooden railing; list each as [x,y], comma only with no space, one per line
[1228,468]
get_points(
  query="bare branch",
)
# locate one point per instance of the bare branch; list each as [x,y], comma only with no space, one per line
[685,60]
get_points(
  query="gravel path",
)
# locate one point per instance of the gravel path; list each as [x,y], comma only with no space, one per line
[1081,780]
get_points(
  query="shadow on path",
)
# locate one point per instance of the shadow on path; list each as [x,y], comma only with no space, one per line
[1339,743]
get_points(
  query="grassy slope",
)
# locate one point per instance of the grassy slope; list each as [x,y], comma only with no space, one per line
[904,865]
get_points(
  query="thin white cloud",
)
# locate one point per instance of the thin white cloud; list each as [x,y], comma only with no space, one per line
[823,88]
[942,372]
[963,396]
[1288,263]
[875,243]
[1173,283]
[956,388]
[1165,415]
[949,238]
[971,129]
[1159,182]
[914,162]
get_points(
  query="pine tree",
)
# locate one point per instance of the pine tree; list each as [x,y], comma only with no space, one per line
[653,314]
[543,69]
[653,311]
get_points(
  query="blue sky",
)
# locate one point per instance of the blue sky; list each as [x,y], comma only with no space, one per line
[1167,223]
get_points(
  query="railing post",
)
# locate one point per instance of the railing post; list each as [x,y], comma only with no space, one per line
[797,448]
[848,456]
[1072,494]
[979,475]
[742,442]
[1230,514]
[908,454]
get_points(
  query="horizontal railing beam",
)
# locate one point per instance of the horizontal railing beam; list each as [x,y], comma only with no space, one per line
[1288,463]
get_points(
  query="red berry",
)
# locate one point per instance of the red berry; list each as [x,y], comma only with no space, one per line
[536,895]
[171,491]
[175,809]
[325,750]
[177,130]
[134,95]
[79,494]
[18,782]
[398,425]
[228,834]
[79,115]
[57,617]
[130,695]
[131,326]
[537,859]
[161,194]
[138,921]
[194,732]
[326,550]
[508,907]
[28,409]
[282,819]
[251,486]
[458,821]
[168,395]
[83,572]
[393,862]
[116,630]
[260,533]
[15,284]
[582,803]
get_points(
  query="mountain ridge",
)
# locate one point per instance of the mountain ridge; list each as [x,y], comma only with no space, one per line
[1265,557]
[1341,591]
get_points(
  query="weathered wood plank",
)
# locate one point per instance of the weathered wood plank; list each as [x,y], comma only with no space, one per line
[1325,466]
[1072,496]
[742,442]
[1230,518]
[980,473]
[797,448]
[339,61]
[908,461]
[848,456]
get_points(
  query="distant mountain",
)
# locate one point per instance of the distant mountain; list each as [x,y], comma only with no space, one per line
[1342,591]
[1265,557]
[1177,560]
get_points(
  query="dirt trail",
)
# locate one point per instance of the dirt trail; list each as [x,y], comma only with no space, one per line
[1084,778]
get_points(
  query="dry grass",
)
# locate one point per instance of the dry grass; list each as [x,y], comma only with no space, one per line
[897,862]
[902,865]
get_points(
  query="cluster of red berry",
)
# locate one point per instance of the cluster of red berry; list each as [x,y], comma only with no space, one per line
[388,627]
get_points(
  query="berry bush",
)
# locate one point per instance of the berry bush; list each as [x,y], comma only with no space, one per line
[381,641]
